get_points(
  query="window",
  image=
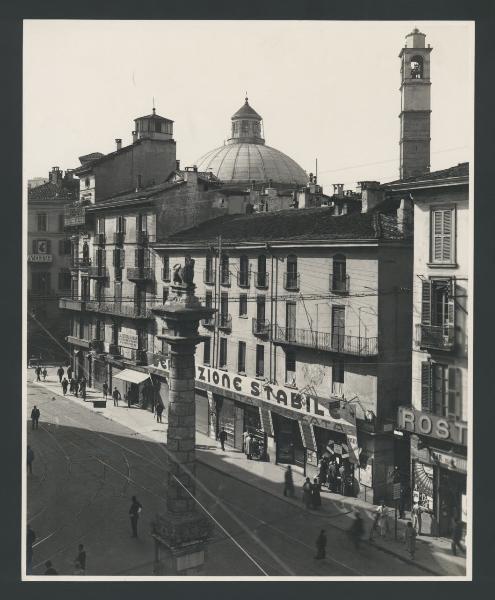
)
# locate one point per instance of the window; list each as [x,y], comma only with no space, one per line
[41,222]
[64,246]
[242,305]
[417,67]
[260,309]
[64,280]
[290,368]
[338,378]
[100,227]
[260,360]
[208,275]
[291,276]
[166,268]
[223,353]
[209,299]
[225,273]
[165,294]
[241,358]
[41,246]
[61,222]
[261,276]
[87,182]
[141,223]
[207,351]
[438,313]
[339,275]
[120,224]
[442,249]
[118,262]
[243,271]
[441,390]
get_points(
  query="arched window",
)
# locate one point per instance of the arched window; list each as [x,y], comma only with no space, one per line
[339,278]
[417,67]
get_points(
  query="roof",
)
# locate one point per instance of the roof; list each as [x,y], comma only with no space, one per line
[292,224]
[90,157]
[154,116]
[51,192]
[246,112]
[459,170]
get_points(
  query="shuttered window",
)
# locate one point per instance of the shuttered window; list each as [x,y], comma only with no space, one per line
[442,231]
[455,393]
[206,351]
[223,352]
[426,386]
[260,360]
[441,390]
[241,358]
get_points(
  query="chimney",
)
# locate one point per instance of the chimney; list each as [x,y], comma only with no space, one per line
[55,175]
[338,190]
[134,137]
[177,165]
[371,195]
[118,141]
[405,216]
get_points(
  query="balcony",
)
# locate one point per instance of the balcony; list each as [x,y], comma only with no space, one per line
[339,285]
[118,238]
[165,274]
[261,280]
[71,304]
[76,341]
[97,346]
[120,309]
[100,239]
[244,279]
[74,216]
[261,327]
[208,322]
[139,273]
[291,281]
[209,277]
[98,272]
[327,342]
[139,357]
[435,337]
[115,350]
[224,321]
[80,263]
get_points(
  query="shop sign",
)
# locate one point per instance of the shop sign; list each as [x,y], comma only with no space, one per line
[40,258]
[303,404]
[415,421]
[454,463]
[395,491]
[128,340]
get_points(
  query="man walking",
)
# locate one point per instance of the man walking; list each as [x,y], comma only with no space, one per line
[456,537]
[45,373]
[289,483]
[159,411]
[81,558]
[76,388]
[30,539]
[30,458]
[416,517]
[83,388]
[69,372]
[307,495]
[60,373]
[105,390]
[65,385]
[410,539]
[116,396]
[222,436]
[134,511]
[35,417]
[321,545]
[38,373]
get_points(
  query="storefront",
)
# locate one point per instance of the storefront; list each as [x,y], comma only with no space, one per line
[202,412]
[290,448]
[132,384]
[100,373]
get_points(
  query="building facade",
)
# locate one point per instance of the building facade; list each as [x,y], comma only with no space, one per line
[48,255]
[308,349]
[437,420]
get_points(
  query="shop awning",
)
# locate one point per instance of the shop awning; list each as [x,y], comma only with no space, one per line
[132,376]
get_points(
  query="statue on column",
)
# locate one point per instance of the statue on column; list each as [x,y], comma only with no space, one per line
[184,275]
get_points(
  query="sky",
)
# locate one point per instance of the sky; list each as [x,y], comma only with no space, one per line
[327,90]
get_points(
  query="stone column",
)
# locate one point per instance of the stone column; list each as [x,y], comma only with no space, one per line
[182,530]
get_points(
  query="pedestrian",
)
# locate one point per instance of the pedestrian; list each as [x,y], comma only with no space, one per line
[288,483]
[30,539]
[105,390]
[65,384]
[356,530]
[332,476]
[315,494]
[382,522]
[342,479]
[249,446]
[45,373]
[457,536]
[321,545]
[49,568]
[30,458]
[38,373]
[76,388]
[307,493]
[222,436]
[60,373]
[128,399]
[134,512]
[416,517]
[323,473]
[83,389]
[69,372]
[245,436]
[410,539]
[159,412]
[81,558]
[116,396]
[35,417]
[402,502]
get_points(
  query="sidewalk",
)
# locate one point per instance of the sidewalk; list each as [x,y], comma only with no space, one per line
[434,555]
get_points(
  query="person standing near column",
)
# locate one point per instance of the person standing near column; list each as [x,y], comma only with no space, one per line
[60,373]
[134,512]
[105,390]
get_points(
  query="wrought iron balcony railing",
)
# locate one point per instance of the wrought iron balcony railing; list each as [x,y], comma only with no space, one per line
[208,322]
[435,337]
[339,285]
[97,272]
[261,280]
[291,281]
[261,327]
[139,273]
[329,342]
[120,309]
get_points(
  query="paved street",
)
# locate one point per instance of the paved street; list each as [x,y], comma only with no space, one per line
[87,468]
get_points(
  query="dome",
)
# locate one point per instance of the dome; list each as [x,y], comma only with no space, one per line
[245,157]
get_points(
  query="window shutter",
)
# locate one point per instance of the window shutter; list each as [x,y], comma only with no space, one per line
[147,259]
[437,235]
[136,257]
[447,236]
[103,258]
[122,259]
[426,386]
[451,303]
[114,257]
[48,246]
[426,303]
[454,385]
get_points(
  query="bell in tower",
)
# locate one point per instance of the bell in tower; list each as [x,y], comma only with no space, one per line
[415,106]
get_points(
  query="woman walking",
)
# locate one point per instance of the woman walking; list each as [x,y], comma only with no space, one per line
[315,494]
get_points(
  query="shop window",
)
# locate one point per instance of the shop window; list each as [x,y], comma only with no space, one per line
[223,353]
[207,351]
[260,360]
[441,390]
[241,358]
[242,305]
[290,368]
[42,222]
[442,249]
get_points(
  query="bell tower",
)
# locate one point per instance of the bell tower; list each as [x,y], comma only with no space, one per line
[415,106]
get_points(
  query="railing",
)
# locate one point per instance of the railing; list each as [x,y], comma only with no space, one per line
[330,342]
[261,327]
[80,263]
[165,274]
[139,273]
[261,280]
[224,321]
[244,278]
[74,216]
[208,277]
[339,285]
[291,281]
[98,272]
[115,350]
[120,309]
[77,341]
[225,278]
[100,239]
[97,345]
[118,238]
[71,304]
[436,337]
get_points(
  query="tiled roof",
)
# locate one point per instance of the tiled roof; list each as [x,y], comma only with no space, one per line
[293,224]
[154,116]
[460,170]
[90,157]
[51,192]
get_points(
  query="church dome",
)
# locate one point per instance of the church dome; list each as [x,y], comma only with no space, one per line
[245,157]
